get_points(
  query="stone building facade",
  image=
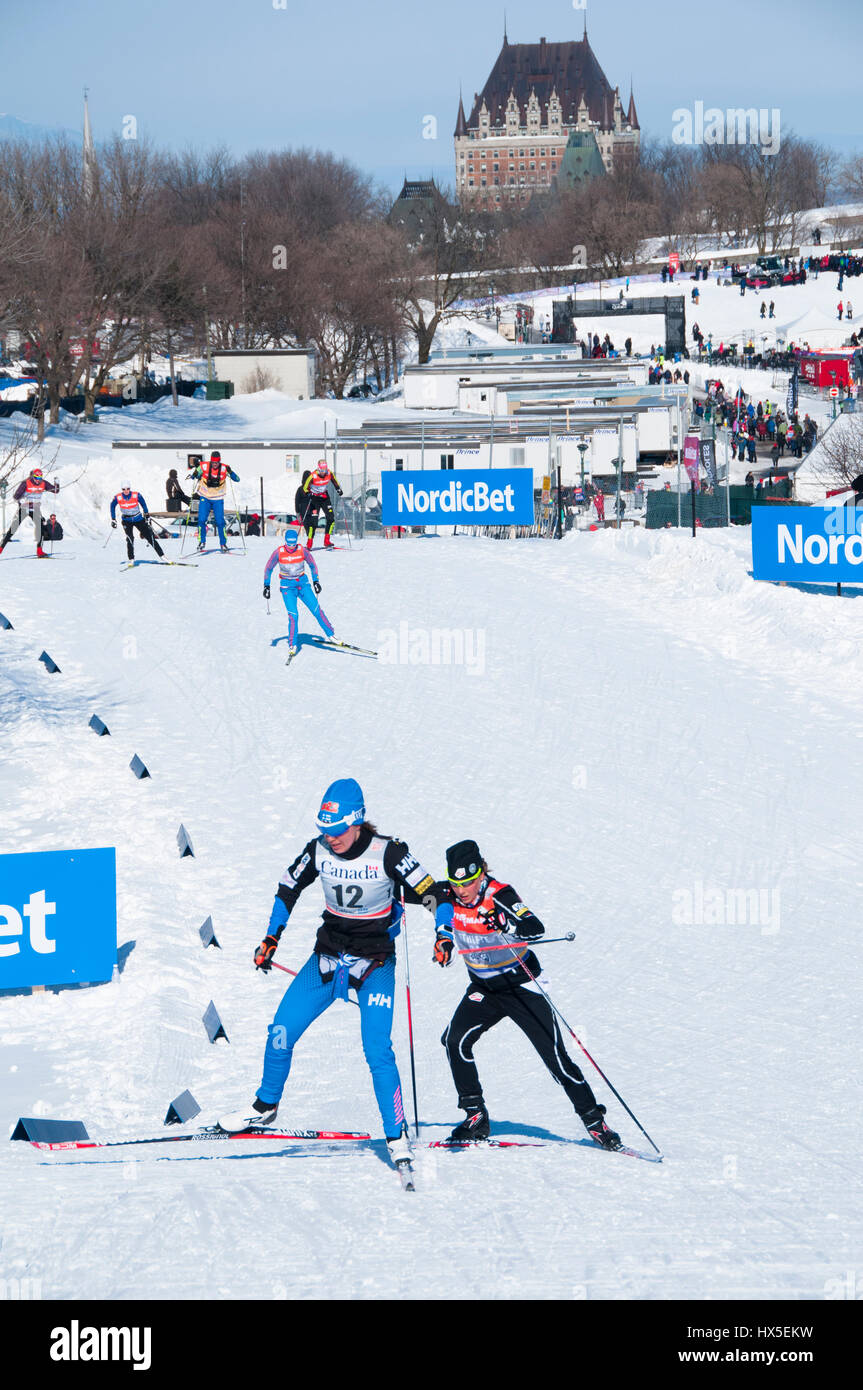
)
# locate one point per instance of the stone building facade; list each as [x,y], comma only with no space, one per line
[512,144]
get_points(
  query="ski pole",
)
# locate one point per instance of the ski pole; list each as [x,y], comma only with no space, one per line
[576,1039]
[528,940]
[237,515]
[410,1019]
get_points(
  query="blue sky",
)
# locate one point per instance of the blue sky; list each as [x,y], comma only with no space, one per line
[359,79]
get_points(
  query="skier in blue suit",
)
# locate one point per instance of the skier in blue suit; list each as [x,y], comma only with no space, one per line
[360,871]
[292,558]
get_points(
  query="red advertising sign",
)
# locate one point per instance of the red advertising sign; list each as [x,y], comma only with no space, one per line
[674,261]
[692,456]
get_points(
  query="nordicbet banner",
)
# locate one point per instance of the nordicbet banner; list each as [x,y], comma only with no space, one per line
[468,497]
[810,545]
[58,918]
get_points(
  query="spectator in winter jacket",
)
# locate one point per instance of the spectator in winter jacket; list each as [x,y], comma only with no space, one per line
[841,308]
[176,495]
[51,529]
[253,525]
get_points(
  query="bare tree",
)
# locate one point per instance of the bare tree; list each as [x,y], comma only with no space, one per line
[434,271]
[838,457]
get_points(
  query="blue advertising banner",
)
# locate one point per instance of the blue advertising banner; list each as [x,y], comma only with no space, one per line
[58,918]
[464,497]
[810,545]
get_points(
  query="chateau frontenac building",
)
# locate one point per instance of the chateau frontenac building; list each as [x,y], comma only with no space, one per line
[540,100]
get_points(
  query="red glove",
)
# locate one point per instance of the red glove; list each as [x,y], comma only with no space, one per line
[265,952]
[443,949]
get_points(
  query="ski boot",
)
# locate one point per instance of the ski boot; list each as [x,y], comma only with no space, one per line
[598,1129]
[259,1115]
[399,1148]
[201,548]
[310,541]
[328,544]
[40,553]
[224,549]
[475,1125]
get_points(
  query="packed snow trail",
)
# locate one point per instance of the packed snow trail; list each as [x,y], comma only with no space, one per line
[641,724]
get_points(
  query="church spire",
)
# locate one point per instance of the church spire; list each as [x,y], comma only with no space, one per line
[88,154]
[461,123]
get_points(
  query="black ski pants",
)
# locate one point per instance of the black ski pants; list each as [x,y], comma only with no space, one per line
[481,1009]
[316,506]
[142,526]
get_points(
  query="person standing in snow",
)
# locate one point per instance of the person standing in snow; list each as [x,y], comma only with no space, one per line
[317,489]
[360,871]
[28,494]
[292,557]
[476,911]
[212,477]
[599,503]
[134,516]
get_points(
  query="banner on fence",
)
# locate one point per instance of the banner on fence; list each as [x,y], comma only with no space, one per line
[809,545]
[464,497]
[58,918]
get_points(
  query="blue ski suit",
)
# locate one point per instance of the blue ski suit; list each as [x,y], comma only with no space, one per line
[355,949]
[294,585]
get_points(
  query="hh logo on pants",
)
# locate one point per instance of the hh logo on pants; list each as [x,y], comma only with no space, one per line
[384,999]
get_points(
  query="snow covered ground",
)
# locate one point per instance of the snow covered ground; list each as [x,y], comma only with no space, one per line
[641,731]
[804,314]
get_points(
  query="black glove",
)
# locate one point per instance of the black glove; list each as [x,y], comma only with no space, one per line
[265,952]
[114,524]
[266,591]
[316,585]
[443,949]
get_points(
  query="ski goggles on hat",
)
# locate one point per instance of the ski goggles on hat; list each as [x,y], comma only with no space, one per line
[461,877]
[335,823]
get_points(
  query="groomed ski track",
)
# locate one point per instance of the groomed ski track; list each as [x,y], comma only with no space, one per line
[647,720]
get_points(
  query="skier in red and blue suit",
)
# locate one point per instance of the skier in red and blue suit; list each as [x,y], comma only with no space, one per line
[292,558]
[134,514]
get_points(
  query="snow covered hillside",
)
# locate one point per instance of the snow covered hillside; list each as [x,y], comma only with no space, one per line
[661,755]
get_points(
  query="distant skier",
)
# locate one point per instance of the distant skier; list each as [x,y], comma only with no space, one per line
[317,487]
[28,494]
[212,477]
[134,516]
[476,911]
[292,557]
[360,871]
[301,497]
